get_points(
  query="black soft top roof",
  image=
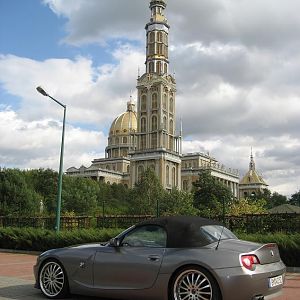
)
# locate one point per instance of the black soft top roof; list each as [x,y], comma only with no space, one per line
[182,231]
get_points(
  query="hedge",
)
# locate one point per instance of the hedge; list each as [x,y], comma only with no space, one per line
[31,239]
[40,240]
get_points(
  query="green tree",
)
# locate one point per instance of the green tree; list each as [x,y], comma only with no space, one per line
[178,203]
[17,198]
[79,195]
[147,194]
[211,196]
[246,206]
[295,199]
[44,182]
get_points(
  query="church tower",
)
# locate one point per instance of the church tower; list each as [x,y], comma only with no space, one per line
[252,183]
[157,145]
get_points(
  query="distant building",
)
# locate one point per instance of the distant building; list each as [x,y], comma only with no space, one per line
[252,183]
[147,138]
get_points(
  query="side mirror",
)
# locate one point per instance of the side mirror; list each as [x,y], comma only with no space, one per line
[115,242]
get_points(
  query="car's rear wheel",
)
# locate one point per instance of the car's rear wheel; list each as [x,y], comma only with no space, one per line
[194,283]
[53,280]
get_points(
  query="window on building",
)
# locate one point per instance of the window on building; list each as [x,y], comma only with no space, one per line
[171,129]
[117,140]
[158,67]
[154,123]
[143,125]
[154,101]
[143,142]
[125,140]
[171,105]
[144,102]
[165,100]
[185,185]
[140,172]
[128,168]
[159,36]
[167,175]
[165,122]
[152,37]
[174,177]
[154,140]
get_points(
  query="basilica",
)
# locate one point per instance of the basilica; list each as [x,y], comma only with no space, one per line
[145,136]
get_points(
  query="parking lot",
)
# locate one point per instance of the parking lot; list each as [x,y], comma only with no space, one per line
[16,280]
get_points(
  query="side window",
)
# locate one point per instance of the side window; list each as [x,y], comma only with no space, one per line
[151,236]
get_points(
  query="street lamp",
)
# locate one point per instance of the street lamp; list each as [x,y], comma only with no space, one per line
[59,190]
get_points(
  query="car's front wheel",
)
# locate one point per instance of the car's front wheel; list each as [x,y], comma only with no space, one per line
[53,280]
[194,283]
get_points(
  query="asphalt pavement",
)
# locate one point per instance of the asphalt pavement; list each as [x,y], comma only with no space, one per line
[17,280]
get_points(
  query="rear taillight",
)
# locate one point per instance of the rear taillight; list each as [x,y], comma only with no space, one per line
[249,261]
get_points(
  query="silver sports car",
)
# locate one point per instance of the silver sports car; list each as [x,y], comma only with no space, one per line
[170,258]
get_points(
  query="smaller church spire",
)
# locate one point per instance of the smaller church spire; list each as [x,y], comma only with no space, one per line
[252,163]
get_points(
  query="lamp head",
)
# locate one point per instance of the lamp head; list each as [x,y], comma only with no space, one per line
[41,91]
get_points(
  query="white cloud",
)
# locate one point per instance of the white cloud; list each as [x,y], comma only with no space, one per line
[36,144]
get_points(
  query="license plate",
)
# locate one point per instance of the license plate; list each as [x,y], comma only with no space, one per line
[275,281]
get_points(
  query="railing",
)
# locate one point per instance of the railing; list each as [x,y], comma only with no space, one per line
[256,223]
[66,223]
[264,223]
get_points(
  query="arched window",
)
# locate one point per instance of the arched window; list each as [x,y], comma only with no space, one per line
[107,167]
[144,102]
[117,140]
[151,66]
[152,37]
[125,140]
[143,125]
[153,140]
[140,172]
[171,105]
[154,101]
[154,123]
[173,177]
[165,122]
[165,99]
[171,143]
[171,129]
[167,175]
[159,36]
[158,67]
[166,68]
[128,168]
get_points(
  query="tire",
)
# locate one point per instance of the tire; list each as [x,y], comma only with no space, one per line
[194,283]
[53,280]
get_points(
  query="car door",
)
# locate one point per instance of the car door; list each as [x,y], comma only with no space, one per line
[135,263]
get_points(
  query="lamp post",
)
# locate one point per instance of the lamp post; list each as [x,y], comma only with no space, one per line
[59,190]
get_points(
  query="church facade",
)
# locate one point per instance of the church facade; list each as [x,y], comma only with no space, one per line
[145,136]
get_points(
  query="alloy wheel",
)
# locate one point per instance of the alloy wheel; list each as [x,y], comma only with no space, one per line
[192,285]
[52,279]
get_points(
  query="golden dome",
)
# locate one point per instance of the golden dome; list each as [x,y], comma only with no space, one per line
[125,123]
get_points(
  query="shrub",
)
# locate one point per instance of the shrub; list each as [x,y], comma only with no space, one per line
[40,240]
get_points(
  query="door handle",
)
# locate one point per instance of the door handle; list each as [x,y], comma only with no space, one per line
[153,257]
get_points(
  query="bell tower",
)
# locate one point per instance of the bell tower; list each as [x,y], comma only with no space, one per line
[157,146]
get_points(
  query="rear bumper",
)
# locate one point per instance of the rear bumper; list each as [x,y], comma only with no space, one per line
[238,284]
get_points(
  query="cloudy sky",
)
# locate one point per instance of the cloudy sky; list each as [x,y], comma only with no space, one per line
[236,62]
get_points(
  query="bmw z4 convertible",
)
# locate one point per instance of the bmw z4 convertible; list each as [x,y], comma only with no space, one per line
[168,258]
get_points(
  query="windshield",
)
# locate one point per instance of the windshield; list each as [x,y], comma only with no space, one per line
[212,233]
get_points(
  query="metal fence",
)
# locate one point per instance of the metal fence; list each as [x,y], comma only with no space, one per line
[256,223]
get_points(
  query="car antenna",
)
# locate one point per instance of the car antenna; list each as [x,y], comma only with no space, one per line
[220,237]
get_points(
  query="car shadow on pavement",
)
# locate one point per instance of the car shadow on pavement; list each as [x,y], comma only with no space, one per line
[28,292]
